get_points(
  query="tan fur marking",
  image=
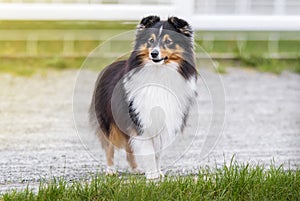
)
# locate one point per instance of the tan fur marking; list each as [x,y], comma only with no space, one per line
[144,52]
[130,157]
[110,152]
[120,140]
[174,55]
[108,147]
[185,30]
[166,37]
[153,36]
[117,137]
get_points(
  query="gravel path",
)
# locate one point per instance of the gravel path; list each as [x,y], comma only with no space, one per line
[39,139]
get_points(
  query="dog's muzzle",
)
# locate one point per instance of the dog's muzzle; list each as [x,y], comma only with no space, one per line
[155,56]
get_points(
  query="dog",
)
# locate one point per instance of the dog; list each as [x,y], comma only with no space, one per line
[141,104]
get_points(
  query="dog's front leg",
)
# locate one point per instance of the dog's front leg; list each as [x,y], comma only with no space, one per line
[143,148]
[157,147]
[158,167]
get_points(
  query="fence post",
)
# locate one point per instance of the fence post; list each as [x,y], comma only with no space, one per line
[242,7]
[241,42]
[184,9]
[68,45]
[209,6]
[208,42]
[31,45]
[273,44]
[279,7]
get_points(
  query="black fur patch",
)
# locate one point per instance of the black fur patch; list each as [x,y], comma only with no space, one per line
[101,102]
[187,69]
[135,60]
[147,22]
[181,25]
[135,118]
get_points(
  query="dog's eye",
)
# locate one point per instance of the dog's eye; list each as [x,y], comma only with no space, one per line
[168,42]
[151,41]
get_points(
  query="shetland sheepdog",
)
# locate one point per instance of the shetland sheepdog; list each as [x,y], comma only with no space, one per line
[141,104]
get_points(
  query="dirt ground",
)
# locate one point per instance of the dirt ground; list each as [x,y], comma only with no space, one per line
[39,138]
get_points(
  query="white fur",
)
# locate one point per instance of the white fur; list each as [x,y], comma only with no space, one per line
[161,97]
[160,30]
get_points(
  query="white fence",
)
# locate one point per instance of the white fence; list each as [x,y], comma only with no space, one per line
[279,18]
[69,37]
[278,15]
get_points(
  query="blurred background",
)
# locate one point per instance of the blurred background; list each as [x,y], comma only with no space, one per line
[255,44]
[42,34]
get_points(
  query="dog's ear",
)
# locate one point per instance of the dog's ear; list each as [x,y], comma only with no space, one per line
[181,25]
[147,22]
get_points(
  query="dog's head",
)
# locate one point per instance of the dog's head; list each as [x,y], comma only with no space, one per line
[162,42]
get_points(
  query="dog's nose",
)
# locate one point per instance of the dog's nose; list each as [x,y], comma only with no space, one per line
[154,54]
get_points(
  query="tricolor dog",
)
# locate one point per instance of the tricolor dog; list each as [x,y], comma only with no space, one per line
[142,103]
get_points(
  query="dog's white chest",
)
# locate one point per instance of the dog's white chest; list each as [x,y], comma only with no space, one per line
[160,97]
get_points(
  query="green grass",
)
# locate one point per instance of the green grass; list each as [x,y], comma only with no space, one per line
[231,182]
[270,65]
[29,66]
[14,56]
[37,25]
[220,67]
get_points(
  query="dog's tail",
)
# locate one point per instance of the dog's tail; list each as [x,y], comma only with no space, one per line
[92,116]
[95,125]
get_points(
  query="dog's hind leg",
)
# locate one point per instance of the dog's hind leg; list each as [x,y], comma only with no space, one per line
[131,159]
[110,151]
[117,139]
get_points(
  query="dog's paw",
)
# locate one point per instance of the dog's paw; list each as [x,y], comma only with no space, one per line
[155,175]
[137,171]
[110,171]
[161,174]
